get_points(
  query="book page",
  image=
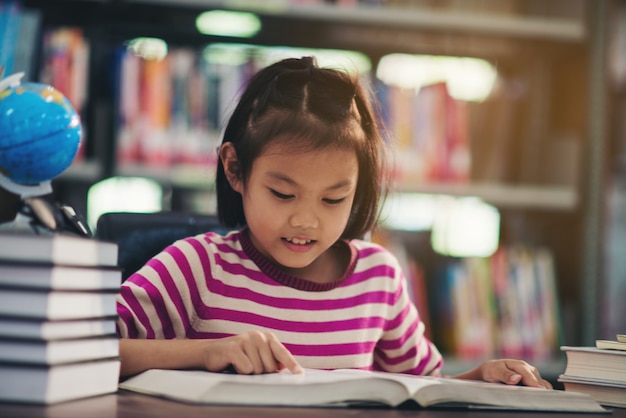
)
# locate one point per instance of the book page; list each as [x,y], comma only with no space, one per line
[314,387]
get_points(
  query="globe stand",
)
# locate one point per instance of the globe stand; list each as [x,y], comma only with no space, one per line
[12,218]
[37,120]
[10,81]
[26,190]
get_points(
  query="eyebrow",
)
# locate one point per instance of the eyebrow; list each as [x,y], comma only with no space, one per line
[281,177]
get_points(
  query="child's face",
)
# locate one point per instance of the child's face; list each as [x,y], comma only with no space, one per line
[298,205]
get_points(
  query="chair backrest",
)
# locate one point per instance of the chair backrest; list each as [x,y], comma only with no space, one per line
[141,236]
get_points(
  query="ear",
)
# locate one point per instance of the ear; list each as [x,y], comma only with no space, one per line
[228,156]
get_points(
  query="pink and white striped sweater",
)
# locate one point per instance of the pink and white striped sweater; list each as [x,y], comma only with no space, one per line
[212,286]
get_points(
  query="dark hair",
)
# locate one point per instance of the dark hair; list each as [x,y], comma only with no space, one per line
[310,108]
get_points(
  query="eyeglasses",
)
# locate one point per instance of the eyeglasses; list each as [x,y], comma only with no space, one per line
[53,216]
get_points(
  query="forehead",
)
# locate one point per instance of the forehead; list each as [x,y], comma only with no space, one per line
[330,162]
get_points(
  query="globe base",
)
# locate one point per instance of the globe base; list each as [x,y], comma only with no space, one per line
[26,190]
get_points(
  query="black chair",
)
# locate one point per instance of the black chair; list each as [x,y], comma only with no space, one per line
[140,236]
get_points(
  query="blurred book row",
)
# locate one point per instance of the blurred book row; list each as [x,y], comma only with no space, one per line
[172,102]
[171,110]
[478,308]
[19,38]
[57,317]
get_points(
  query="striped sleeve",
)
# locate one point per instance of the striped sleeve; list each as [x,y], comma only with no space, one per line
[403,346]
[158,300]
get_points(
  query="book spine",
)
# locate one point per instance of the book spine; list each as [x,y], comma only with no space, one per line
[501,306]
[10,19]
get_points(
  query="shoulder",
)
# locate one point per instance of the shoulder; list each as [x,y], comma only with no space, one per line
[373,256]
[367,250]
[202,247]
[230,240]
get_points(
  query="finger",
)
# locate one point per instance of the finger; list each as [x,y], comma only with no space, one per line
[284,357]
[503,371]
[541,381]
[269,362]
[529,375]
[239,360]
[252,346]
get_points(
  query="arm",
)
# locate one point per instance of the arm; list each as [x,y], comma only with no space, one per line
[511,372]
[250,353]
[404,340]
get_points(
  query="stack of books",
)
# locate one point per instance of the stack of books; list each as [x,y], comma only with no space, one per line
[598,371]
[57,317]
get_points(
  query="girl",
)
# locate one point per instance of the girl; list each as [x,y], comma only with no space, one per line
[300,174]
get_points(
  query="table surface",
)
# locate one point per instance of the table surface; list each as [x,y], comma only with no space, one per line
[127,404]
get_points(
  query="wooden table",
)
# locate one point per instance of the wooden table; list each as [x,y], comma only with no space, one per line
[126,405]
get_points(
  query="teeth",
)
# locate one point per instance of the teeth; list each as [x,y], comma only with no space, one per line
[298,241]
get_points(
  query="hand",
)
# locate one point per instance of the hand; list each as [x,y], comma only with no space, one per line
[254,352]
[508,371]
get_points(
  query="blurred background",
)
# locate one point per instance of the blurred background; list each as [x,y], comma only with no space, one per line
[504,117]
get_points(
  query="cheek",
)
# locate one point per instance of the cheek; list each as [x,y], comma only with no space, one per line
[259,206]
[339,218]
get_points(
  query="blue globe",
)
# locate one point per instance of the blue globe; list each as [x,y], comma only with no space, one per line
[40,133]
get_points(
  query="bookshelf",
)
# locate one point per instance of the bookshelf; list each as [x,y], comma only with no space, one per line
[560,198]
[554,51]
[559,28]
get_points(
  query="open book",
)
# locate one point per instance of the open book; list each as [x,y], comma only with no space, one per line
[345,387]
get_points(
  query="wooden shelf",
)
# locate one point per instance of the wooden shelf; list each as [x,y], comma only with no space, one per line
[184,176]
[503,195]
[86,170]
[543,28]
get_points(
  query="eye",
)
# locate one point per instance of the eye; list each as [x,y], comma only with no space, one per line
[281,195]
[334,201]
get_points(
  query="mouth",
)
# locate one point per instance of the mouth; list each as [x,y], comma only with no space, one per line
[298,241]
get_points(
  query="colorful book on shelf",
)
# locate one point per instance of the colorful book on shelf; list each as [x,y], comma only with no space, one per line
[504,306]
[65,66]
[344,387]
[595,363]
[61,249]
[49,276]
[43,384]
[10,16]
[28,41]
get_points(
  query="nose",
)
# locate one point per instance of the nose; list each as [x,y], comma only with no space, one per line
[304,216]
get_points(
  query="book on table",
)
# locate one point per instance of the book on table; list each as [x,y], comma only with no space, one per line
[48,384]
[350,387]
[595,363]
[598,372]
[611,345]
[42,328]
[606,392]
[50,276]
[59,249]
[42,351]
[56,305]
[57,317]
